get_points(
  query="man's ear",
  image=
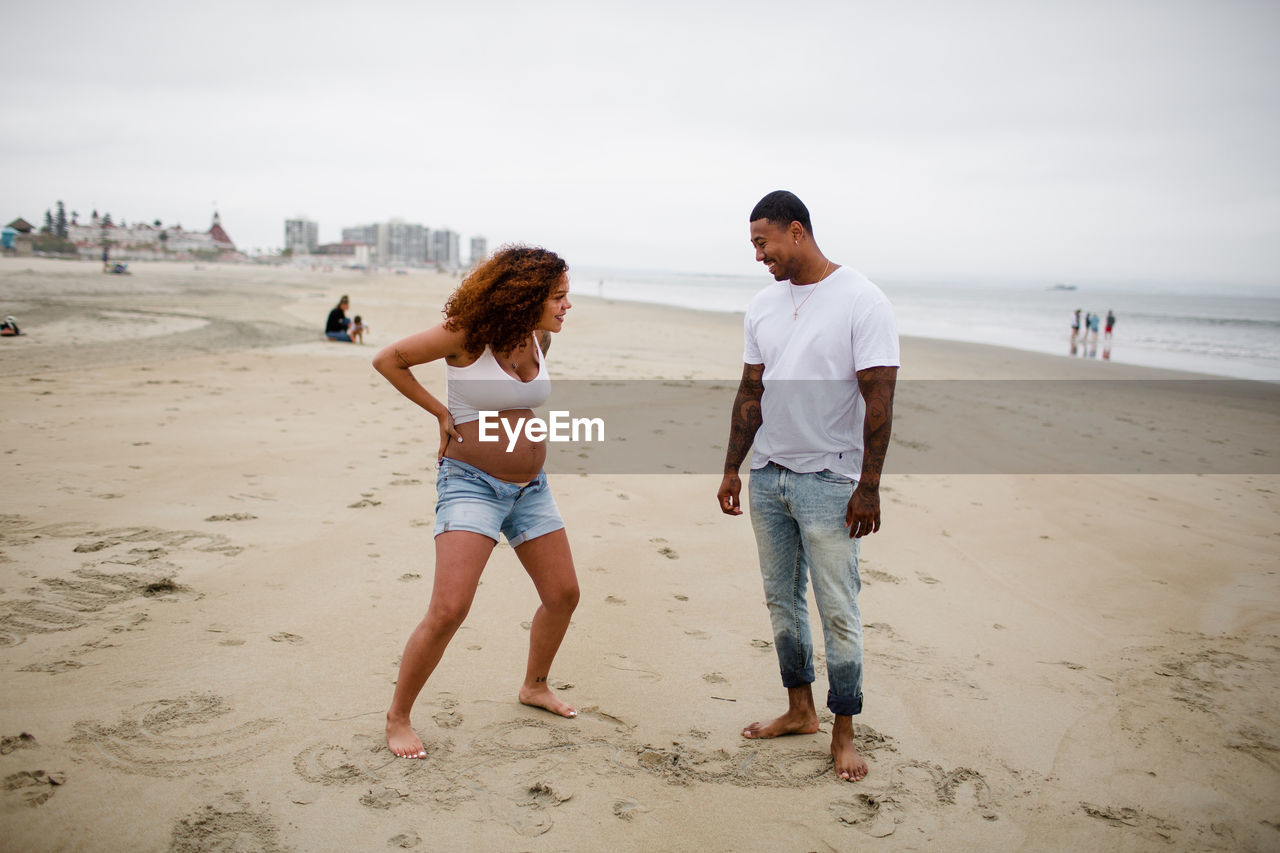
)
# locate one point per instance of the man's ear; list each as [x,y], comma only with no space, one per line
[796,232]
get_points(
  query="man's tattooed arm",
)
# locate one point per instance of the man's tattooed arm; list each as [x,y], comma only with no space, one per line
[746,418]
[743,426]
[877,385]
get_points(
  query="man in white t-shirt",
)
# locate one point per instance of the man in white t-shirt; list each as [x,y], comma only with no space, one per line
[816,398]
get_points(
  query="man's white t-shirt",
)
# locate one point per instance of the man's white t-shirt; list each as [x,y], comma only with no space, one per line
[812,408]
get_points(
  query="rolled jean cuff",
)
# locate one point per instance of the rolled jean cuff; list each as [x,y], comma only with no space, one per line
[797,677]
[844,706]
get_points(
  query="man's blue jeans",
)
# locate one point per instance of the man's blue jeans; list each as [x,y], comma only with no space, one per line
[800,533]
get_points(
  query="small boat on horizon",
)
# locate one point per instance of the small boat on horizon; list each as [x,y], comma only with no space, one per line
[1061,286]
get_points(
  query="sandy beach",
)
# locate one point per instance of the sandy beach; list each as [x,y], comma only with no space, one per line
[217,536]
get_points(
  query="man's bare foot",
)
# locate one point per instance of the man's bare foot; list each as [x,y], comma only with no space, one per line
[794,722]
[850,766]
[403,740]
[541,696]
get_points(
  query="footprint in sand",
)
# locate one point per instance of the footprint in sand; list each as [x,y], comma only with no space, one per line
[405,840]
[613,599]
[383,797]
[231,824]
[31,788]
[626,808]
[9,743]
[232,516]
[447,717]
[56,667]
[286,637]
[1146,825]
[871,813]
[665,551]
[174,737]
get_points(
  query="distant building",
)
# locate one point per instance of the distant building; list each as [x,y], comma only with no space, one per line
[395,243]
[219,236]
[16,238]
[301,235]
[361,234]
[402,244]
[349,254]
[444,248]
[479,250]
[141,241]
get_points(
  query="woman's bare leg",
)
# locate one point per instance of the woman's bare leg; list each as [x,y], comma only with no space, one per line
[460,558]
[549,563]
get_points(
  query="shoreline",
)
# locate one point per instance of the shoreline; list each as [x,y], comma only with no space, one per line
[298,279]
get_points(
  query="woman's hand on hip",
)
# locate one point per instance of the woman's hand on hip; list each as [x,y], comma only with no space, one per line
[447,432]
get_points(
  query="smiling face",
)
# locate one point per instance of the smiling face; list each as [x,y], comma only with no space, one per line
[553,310]
[776,248]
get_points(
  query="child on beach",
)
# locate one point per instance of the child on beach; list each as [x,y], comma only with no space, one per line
[358,328]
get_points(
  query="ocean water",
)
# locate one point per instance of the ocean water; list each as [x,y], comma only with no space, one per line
[1220,330]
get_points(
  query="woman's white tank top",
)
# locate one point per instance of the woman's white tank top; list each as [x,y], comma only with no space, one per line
[483,386]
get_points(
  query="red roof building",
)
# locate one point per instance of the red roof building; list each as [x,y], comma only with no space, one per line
[220,238]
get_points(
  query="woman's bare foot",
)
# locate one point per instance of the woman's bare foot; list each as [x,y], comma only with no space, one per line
[403,740]
[794,722]
[850,766]
[541,696]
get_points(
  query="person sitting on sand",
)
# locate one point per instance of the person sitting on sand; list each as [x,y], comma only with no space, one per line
[335,328]
[358,328]
[493,341]
[9,328]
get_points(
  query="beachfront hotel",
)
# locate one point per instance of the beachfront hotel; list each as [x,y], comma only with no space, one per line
[147,242]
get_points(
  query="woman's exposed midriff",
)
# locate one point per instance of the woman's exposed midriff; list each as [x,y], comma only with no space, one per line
[520,464]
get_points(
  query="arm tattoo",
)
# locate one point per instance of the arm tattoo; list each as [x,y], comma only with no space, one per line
[877,385]
[404,362]
[746,418]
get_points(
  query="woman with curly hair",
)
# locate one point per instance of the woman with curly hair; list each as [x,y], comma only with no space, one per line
[493,341]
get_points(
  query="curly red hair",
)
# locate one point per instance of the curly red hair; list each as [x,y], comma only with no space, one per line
[500,301]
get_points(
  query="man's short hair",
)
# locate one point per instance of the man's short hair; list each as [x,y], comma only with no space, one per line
[781,208]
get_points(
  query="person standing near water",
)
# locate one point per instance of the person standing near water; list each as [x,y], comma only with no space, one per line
[493,342]
[816,398]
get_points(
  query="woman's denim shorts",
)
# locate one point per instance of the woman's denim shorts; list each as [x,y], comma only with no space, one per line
[469,499]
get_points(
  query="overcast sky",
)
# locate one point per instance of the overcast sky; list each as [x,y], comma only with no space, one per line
[1050,140]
